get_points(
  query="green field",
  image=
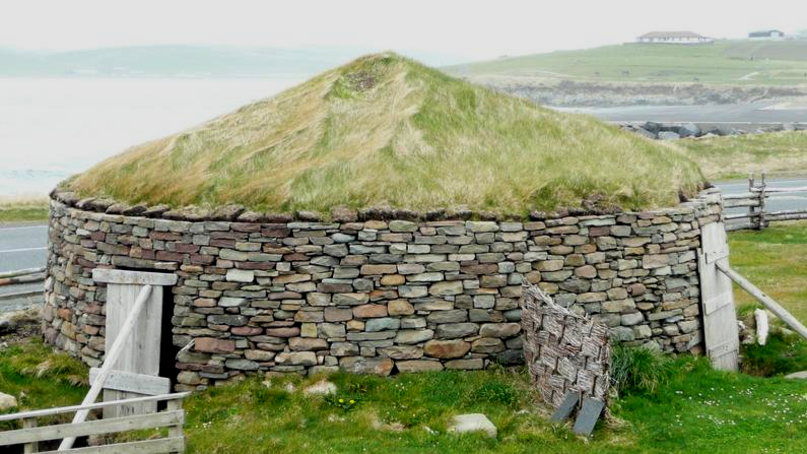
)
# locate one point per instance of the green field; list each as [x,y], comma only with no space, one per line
[23,209]
[735,62]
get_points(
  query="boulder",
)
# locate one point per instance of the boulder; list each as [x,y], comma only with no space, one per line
[688,130]
[473,422]
[668,135]
[7,401]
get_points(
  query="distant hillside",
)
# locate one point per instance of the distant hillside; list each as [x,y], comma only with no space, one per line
[170,61]
[735,62]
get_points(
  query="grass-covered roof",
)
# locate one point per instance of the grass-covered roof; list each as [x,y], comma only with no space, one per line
[385,130]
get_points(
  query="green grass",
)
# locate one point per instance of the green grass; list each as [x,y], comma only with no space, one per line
[723,62]
[40,378]
[688,408]
[386,130]
[774,260]
[732,157]
[23,210]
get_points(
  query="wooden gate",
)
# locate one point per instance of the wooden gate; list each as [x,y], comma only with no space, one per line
[135,372]
[717,299]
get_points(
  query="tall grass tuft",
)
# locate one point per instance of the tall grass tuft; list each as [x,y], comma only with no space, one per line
[639,370]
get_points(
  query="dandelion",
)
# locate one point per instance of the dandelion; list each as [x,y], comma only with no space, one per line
[341,401]
[352,401]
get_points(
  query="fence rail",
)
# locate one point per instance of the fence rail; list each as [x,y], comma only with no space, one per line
[173,417]
[756,199]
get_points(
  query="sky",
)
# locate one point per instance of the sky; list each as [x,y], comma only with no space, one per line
[456,30]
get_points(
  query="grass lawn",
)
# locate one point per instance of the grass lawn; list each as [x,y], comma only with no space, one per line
[697,409]
[735,62]
[731,157]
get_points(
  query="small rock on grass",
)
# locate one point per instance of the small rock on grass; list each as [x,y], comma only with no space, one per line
[320,388]
[798,375]
[472,422]
[7,401]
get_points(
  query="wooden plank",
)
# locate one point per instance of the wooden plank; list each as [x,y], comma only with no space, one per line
[92,406]
[159,446]
[113,350]
[100,426]
[766,300]
[32,447]
[142,352]
[781,190]
[9,296]
[717,300]
[133,277]
[134,383]
[21,272]
[26,279]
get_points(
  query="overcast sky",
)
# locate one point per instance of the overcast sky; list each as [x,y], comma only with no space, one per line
[458,29]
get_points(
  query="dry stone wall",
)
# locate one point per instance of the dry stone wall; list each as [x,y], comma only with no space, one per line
[374,296]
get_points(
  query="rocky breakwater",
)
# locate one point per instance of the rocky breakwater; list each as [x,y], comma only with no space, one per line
[260,293]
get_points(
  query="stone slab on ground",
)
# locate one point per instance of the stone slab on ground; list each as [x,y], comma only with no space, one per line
[588,416]
[564,411]
[798,375]
[472,422]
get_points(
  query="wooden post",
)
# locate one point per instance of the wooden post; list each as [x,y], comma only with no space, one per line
[751,209]
[766,300]
[109,361]
[30,423]
[761,225]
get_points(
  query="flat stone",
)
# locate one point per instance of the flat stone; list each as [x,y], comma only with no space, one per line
[448,288]
[235,275]
[400,307]
[213,345]
[402,226]
[499,330]
[446,349]
[402,352]
[382,324]
[413,336]
[473,422]
[588,416]
[241,364]
[297,358]
[362,365]
[415,366]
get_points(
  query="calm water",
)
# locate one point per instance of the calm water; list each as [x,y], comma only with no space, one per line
[52,128]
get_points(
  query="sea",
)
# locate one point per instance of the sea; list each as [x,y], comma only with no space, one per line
[51,128]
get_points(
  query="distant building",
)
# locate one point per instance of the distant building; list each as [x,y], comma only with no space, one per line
[673,38]
[767,34]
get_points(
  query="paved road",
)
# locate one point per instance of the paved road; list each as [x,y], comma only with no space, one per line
[22,246]
[730,113]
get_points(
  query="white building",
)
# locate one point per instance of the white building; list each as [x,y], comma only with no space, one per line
[673,38]
[767,34]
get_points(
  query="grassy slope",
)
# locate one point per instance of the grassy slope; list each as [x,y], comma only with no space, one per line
[724,62]
[735,156]
[386,129]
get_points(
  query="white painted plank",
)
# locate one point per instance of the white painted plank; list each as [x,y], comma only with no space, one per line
[133,277]
[101,426]
[93,406]
[134,383]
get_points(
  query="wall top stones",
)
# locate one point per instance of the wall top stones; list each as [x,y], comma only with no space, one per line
[237,213]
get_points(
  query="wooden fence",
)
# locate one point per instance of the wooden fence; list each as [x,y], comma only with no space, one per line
[19,277]
[755,200]
[172,418]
